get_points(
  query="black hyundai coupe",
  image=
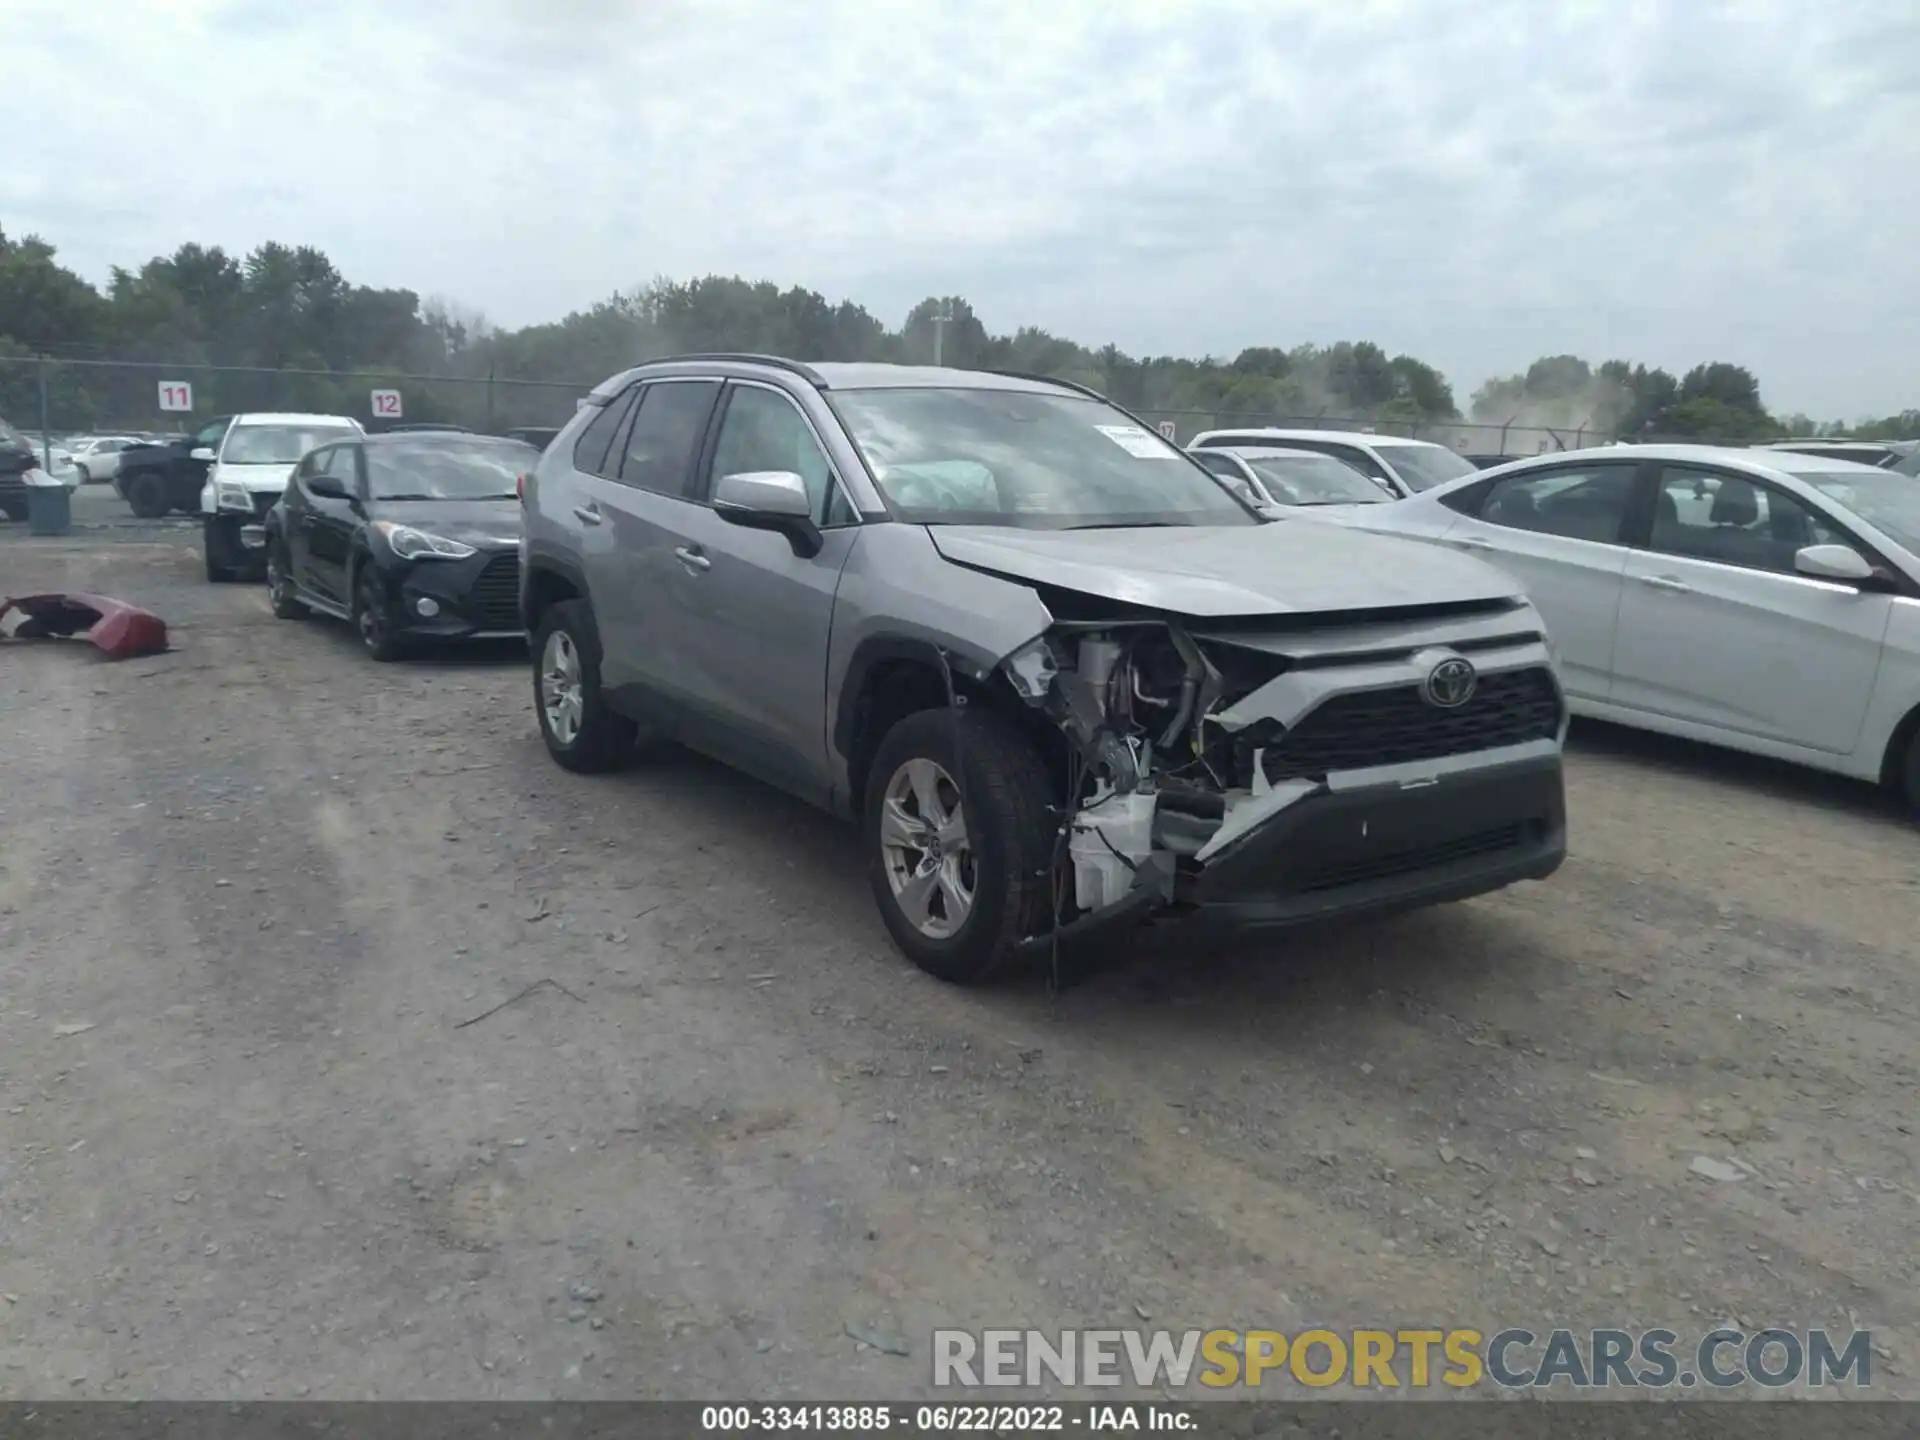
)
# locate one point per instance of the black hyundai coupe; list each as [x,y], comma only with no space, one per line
[411,536]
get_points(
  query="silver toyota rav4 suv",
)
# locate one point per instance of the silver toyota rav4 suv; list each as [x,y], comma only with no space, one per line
[1062,677]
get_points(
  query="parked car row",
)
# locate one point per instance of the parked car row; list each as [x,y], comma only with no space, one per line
[1067,677]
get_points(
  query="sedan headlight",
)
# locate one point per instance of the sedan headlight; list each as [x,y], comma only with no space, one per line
[231,495]
[411,544]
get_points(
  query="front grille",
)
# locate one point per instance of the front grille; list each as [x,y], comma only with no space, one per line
[1406,862]
[1395,727]
[496,593]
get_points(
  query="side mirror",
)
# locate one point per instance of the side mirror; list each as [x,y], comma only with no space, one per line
[328,487]
[201,452]
[1833,562]
[775,500]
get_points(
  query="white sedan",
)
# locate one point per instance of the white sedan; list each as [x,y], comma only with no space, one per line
[98,457]
[1763,600]
[1277,477]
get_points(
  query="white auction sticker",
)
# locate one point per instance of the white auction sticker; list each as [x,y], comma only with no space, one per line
[1137,442]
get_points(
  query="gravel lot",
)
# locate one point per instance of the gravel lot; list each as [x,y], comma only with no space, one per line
[252,893]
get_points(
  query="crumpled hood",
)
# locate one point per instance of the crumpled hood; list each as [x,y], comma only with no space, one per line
[1283,568]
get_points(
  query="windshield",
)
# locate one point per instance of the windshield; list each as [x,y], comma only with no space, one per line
[278,444]
[1043,462]
[482,470]
[1314,480]
[1425,466]
[1885,500]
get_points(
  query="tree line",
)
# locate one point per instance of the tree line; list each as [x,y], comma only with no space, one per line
[288,310]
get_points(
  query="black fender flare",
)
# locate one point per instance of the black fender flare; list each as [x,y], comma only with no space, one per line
[872,651]
[544,559]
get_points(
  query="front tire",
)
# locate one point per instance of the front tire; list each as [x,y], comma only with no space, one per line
[583,732]
[371,620]
[280,592]
[959,833]
[85,478]
[1910,777]
[146,496]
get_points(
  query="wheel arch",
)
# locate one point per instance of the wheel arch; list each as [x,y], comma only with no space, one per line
[1893,763]
[892,677]
[547,580]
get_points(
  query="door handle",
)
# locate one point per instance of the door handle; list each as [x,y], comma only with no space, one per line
[587,514]
[691,558]
[1667,583]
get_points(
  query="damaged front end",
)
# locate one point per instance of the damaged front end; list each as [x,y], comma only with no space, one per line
[1192,740]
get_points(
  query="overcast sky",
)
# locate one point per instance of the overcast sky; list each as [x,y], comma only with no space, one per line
[1476,183]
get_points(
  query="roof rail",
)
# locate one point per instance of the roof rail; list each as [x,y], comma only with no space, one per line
[806,372]
[1049,380]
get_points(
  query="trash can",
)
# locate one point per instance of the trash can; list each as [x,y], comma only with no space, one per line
[49,504]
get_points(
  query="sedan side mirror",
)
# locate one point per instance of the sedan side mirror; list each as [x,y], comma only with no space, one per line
[1833,562]
[774,500]
[328,487]
[201,452]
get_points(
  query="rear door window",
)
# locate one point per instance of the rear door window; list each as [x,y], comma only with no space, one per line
[667,434]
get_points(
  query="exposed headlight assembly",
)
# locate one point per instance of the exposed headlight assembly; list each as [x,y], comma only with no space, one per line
[410,544]
[232,495]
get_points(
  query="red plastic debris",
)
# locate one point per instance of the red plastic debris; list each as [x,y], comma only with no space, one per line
[118,630]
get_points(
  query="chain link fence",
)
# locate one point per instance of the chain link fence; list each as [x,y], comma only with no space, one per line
[48,398]
[51,397]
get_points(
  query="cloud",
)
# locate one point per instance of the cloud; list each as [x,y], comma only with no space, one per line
[1477,183]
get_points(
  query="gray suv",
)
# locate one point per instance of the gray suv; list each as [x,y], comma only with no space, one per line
[1062,677]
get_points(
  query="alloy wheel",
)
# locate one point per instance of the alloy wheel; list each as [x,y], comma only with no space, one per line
[926,849]
[561,699]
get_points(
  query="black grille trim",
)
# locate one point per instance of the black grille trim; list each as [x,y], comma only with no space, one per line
[1396,727]
[1406,862]
[496,593]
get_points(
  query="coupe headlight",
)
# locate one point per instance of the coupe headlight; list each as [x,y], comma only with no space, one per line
[411,544]
[230,495]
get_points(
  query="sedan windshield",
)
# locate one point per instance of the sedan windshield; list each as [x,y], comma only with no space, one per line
[1043,462]
[1425,466]
[448,470]
[1314,480]
[1885,499]
[278,444]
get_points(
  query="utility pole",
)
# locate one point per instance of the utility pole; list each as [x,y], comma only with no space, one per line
[942,318]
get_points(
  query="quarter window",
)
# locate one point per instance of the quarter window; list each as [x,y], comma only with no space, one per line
[1575,504]
[666,435]
[1731,520]
[591,449]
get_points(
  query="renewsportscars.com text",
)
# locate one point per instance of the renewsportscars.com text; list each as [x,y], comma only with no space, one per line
[1514,1358]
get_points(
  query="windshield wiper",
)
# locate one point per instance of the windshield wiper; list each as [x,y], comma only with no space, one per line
[1130,525]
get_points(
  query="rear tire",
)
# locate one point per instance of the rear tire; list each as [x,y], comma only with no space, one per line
[146,497]
[15,510]
[994,779]
[218,545]
[583,733]
[280,592]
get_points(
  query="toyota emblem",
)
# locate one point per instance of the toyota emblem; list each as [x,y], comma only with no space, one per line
[1450,684]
